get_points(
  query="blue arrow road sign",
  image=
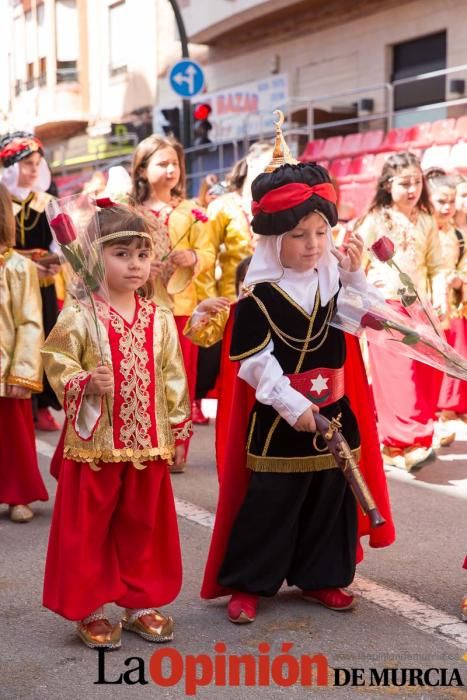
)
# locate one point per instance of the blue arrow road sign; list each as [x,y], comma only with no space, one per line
[186,78]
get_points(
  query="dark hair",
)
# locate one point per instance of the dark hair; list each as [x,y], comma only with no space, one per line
[122,218]
[448,181]
[393,166]
[240,272]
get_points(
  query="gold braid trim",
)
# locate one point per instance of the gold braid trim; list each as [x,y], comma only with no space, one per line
[26,383]
[290,465]
[118,455]
[122,234]
[184,432]
[259,347]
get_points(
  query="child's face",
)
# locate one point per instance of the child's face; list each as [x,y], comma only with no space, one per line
[127,267]
[406,187]
[461,197]
[444,203]
[303,246]
[163,169]
[29,170]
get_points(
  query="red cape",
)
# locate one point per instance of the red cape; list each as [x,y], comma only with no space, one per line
[230,446]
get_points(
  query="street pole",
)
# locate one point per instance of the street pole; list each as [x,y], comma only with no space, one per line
[186,103]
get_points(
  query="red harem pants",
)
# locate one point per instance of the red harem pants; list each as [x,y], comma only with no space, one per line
[453,394]
[406,396]
[20,478]
[190,359]
[113,538]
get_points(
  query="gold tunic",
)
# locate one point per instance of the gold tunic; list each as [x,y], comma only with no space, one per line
[450,250]
[230,241]
[417,252]
[21,331]
[149,416]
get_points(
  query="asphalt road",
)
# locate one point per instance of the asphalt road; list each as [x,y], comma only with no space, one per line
[407,617]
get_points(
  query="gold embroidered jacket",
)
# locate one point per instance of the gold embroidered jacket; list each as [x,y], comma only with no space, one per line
[149,407]
[230,242]
[21,332]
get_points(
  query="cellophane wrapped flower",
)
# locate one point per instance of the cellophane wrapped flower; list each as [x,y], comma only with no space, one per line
[75,228]
[384,324]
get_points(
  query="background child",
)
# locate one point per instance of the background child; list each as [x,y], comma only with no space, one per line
[401,210]
[21,338]
[27,177]
[158,174]
[297,518]
[114,480]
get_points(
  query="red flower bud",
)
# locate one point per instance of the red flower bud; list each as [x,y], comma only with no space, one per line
[64,229]
[370,321]
[383,248]
[200,215]
[105,203]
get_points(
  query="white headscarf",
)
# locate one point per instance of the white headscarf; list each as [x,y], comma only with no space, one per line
[266,266]
[10,176]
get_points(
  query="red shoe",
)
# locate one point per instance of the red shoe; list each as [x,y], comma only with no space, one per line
[242,608]
[45,420]
[197,415]
[332,598]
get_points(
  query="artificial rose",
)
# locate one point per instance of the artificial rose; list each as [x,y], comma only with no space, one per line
[105,203]
[64,229]
[383,248]
[370,321]
[200,215]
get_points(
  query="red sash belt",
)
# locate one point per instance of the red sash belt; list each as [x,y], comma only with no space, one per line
[322,386]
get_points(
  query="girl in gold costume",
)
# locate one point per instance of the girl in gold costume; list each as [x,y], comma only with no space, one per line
[114,535]
[183,242]
[21,337]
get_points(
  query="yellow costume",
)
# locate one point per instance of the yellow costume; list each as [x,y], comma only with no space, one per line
[21,331]
[149,406]
[187,233]
[230,241]
[417,252]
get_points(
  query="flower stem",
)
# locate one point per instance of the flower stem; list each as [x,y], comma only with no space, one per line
[419,299]
[99,343]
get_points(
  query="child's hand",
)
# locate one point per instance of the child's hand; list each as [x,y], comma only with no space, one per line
[179,456]
[17,392]
[101,382]
[184,258]
[306,422]
[213,305]
[351,260]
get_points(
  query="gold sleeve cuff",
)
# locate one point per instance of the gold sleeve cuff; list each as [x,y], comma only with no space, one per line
[26,383]
[208,330]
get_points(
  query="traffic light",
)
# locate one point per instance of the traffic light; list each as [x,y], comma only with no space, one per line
[201,124]
[172,119]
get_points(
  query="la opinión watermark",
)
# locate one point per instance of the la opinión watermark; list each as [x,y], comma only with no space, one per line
[168,667]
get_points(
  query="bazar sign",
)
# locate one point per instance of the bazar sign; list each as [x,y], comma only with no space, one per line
[247,108]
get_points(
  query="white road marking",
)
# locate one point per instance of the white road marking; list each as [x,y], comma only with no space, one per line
[417,614]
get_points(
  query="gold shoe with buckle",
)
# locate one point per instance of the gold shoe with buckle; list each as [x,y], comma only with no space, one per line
[150,624]
[98,633]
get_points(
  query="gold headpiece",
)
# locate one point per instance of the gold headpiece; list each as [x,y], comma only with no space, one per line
[122,234]
[281,154]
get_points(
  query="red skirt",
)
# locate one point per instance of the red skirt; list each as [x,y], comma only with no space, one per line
[113,538]
[453,394]
[20,478]
[406,396]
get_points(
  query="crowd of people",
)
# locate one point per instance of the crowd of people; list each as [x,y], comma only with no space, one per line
[230,294]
